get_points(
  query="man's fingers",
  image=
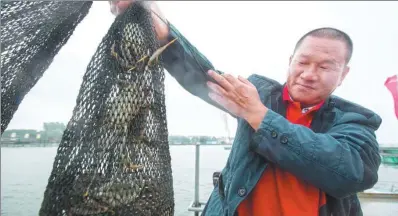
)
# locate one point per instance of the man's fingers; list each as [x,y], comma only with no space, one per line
[224,102]
[216,88]
[234,82]
[244,80]
[118,6]
[113,7]
[229,105]
[221,80]
[221,95]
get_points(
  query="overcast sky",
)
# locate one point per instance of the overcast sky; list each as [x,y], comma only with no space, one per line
[240,38]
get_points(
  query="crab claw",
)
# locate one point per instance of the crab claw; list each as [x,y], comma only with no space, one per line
[159,51]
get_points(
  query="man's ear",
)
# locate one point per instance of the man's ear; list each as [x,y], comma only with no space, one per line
[290,62]
[345,72]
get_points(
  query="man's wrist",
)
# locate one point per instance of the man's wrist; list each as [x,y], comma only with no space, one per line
[256,117]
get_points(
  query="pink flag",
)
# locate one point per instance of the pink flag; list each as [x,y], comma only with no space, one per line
[392,85]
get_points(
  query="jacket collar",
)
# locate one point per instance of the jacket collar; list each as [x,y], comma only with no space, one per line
[323,117]
[287,98]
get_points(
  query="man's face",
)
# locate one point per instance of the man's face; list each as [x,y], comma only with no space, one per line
[316,69]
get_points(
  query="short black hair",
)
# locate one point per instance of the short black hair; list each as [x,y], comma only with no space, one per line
[331,33]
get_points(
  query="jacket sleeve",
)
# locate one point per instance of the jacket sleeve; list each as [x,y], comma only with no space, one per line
[188,66]
[343,161]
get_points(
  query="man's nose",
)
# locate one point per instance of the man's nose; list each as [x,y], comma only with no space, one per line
[309,73]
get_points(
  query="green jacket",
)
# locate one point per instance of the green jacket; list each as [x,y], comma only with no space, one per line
[339,153]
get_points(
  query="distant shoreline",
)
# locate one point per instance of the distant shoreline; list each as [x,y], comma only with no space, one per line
[382,148]
[56,144]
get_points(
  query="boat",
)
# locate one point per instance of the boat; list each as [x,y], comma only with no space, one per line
[389,155]
[390,159]
[227,147]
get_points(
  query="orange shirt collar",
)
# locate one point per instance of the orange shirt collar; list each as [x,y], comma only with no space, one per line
[286,97]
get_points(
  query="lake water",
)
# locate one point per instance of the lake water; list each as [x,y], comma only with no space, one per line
[25,171]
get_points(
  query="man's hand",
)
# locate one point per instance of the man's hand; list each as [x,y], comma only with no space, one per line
[159,21]
[238,96]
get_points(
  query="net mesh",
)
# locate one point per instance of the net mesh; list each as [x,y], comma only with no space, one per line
[114,155]
[32,33]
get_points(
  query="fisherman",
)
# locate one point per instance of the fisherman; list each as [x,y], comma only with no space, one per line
[298,150]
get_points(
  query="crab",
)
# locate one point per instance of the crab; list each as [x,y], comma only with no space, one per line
[146,60]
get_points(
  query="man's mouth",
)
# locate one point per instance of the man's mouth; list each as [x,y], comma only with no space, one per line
[306,86]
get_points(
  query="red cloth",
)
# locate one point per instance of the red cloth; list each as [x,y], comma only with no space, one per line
[392,85]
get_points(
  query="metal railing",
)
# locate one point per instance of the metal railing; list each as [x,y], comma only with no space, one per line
[196,206]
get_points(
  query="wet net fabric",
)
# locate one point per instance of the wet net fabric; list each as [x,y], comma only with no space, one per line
[32,33]
[114,155]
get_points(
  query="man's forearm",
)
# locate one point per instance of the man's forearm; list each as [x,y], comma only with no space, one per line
[188,66]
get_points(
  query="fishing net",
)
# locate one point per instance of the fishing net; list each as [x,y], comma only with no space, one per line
[32,33]
[114,155]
